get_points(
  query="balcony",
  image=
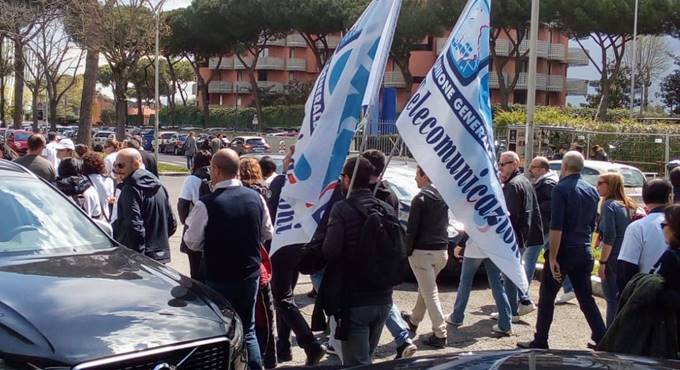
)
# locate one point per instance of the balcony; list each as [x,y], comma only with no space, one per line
[555,83]
[577,86]
[270,63]
[333,42]
[276,42]
[542,48]
[577,57]
[394,79]
[296,64]
[220,87]
[272,86]
[295,40]
[523,81]
[557,52]
[225,63]
[493,80]
[502,47]
[242,87]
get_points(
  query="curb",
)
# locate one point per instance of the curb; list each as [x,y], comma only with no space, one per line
[173,173]
[595,281]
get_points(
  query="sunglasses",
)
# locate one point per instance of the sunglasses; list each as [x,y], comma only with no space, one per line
[502,164]
[119,165]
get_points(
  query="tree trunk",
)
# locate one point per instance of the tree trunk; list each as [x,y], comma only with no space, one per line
[140,105]
[18,83]
[87,97]
[205,95]
[3,122]
[121,108]
[53,113]
[34,108]
[403,65]
[256,97]
[603,107]
[172,92]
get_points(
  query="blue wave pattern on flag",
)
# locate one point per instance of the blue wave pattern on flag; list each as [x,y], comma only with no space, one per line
[447,127]
[332,113]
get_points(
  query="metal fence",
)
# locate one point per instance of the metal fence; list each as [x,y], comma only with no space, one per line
[650,152]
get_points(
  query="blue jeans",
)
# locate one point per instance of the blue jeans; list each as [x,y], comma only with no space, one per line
[397,327]
[242,294]
[610,290]
[365,325]
[316,279]
[493,275]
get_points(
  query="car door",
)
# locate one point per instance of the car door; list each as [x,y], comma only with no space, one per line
[237,145]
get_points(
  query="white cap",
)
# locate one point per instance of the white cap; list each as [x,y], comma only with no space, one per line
[65,144]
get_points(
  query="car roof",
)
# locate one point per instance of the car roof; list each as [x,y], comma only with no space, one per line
[602,166]
[249,137]
[8,168]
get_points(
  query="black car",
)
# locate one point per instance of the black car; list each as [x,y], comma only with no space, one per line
[175,144]
[73,298]
[523,360]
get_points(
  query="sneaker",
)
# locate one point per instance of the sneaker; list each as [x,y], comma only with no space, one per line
[494,316]
[525,309]
[565,298]
[407,317]
[434,341]
[496,329]
[315,353]
[449,320]
[406,350]
[531,345]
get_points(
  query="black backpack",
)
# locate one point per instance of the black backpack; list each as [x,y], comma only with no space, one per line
[381,256]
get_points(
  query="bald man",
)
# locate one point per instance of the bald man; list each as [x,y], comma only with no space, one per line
[229,226]
[145,221]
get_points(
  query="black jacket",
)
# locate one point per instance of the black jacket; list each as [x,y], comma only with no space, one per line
[145,221]
[428,221]
[386,194]
[149,162]
[544,187]
[525,216]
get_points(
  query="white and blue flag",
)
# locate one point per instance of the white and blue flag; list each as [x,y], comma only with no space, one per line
[447,127]
[343,92]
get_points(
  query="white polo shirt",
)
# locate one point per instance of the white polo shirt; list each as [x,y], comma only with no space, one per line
[643,242]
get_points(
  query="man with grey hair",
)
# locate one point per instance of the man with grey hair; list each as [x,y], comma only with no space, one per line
[525,217]
[144,220]
[573,211]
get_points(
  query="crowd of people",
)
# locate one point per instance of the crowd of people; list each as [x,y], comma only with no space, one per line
[638,247]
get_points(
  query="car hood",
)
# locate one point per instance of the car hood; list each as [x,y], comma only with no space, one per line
[76,308]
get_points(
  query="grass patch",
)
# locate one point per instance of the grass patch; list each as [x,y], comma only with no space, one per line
[169,167]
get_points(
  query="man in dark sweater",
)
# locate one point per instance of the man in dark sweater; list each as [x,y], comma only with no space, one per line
[33,160]
[358,306]
[233,268]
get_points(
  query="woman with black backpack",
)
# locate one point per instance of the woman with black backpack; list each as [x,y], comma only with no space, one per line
[75,185]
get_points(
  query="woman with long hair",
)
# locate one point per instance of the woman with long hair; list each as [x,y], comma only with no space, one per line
[75,185]
[94,169]
[251,176]
[616,214]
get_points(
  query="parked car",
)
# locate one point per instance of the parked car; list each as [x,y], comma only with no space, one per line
[176,144]
[277,158]
[249,144]
[164,138]
[93,303]
[633,179]
[147,138]
[523,359]
[18,140]
[101,136]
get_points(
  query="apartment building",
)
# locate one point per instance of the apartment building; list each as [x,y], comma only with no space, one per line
[291,59]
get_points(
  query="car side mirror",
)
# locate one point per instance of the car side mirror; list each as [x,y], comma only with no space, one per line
[105,226]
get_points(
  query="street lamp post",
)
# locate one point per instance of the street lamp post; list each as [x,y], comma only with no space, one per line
[531,85]
[635,59]
[157,15]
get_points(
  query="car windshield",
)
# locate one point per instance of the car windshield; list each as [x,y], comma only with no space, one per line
[37,221]
[257,141]
[632,178]
[21,136]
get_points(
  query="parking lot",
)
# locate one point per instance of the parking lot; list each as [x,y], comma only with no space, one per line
[569,330]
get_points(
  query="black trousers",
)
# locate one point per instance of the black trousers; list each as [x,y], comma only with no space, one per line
[577,264]
[288,316]
[264,326]
[194,264]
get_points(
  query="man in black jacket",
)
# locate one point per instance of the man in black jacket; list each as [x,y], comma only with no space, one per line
[525,216]
[148,158]
[145,221]
[359,307]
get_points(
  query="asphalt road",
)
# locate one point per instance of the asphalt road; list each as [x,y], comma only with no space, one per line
[569,330]
[178,160]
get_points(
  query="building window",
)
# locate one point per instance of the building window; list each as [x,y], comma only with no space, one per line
[264,53]
[291,76]
[291,53]
[524,66]
[239,76]
[520,97]
[262,76]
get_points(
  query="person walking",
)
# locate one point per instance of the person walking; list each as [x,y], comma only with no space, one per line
[34,161]
[356,290]
[144,220]
[94,170]
[194,187]
[50,151]
[250,174]
[395,323]
[616,213]
[598,154]
[216,143]
[644,243]
[675,181]
[73,184]
[573,213]
[525,216]
[232,269]
[473,257]
[190,149]
[427,243]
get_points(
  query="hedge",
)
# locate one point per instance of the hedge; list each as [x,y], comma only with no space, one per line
[229,117]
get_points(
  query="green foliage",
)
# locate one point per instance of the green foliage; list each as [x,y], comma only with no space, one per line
[275,116]
[619,90]
[670,90]
[108,117]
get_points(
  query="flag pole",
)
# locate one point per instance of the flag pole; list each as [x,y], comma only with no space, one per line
[387,163]
[364,138]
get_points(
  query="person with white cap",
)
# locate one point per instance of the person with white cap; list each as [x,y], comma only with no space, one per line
[65,149]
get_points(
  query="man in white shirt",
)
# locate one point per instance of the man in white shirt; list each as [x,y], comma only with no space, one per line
[50,151]
[230,225]
[643,242]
